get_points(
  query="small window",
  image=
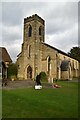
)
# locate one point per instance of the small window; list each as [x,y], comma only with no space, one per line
[40,30]
[30,31]
[29,50]
[48,64]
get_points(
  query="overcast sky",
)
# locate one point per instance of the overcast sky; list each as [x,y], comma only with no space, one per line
[61,24]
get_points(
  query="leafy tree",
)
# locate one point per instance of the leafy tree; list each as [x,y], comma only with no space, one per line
[12,70]
[75,53]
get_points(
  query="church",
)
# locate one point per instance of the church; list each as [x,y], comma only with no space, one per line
[36,56]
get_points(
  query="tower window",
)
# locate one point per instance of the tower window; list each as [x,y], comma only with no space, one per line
[40,30]
[30,31]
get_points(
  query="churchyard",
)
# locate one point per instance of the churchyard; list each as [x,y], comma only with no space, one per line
[45,103]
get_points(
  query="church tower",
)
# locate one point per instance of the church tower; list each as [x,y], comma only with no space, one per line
[33,29]
[33,36]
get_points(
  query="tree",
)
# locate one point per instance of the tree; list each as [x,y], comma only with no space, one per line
[12,70]
[75,53]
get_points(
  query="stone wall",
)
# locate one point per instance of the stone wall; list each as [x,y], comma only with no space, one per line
[35,54]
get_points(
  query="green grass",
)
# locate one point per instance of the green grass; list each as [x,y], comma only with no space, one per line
[0,103]
[45,103]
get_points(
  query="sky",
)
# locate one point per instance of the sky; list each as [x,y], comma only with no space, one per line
[61,24]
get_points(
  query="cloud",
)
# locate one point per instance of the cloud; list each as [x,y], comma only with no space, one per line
[11,13]
[65,40]
[13,49]
[61,21]
[14,12]
[11,33]
[64,17]
[79,24]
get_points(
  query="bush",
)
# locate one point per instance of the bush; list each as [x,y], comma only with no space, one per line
[43,76]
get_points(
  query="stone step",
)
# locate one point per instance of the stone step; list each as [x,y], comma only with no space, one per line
[24,84]
[19,83]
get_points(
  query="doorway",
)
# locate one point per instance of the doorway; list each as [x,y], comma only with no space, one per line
[29,72]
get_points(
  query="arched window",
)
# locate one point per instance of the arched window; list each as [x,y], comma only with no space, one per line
[30,31]
[40,30]
[48,64]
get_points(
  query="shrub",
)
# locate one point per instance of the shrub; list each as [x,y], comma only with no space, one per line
[43,76]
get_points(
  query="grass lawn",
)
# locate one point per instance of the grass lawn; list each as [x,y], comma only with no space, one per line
[0,104]
[46,103]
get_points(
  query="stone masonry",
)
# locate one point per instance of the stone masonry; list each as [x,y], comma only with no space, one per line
[36,56]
